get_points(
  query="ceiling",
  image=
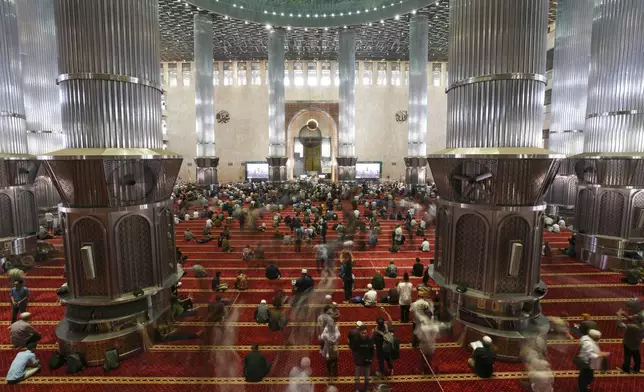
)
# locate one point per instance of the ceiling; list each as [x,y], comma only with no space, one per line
[237,39]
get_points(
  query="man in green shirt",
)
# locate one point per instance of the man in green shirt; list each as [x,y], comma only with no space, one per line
[256,366]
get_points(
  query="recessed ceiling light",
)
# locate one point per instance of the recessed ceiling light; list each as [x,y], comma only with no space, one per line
[306,29]
[288,28]
[266,12]
[241,6]
[341,13]
[358,11]
[308,15]
[281,14]
[291,15]
[349,13]
[235,5]
[274,13]
[370,23]
[299,15]
[324,15]
[397,17]
[316,15]
[382,21]
[366,10]
[326,29]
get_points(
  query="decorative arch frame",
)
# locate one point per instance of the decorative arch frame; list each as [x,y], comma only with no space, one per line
[302,107]
[470,252]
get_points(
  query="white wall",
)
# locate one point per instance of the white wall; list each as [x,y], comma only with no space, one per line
[245,137]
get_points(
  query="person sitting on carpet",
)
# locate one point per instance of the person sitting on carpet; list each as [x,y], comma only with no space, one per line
[272,272]
[24,365]
[199,271]
[247,253]
[261,312]
[22,333]
[287,240]
[188,236]
[370,298]
[241,282]
[256,367]
[586,325]
[216,283]
[417,269]
[259,252]
[483,358]
[391,271]
[378,281]
[276,319]
[424,246]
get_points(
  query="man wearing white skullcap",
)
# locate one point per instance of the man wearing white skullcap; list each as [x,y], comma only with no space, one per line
[483,359]
[589,359]
[370,298]
[261,312]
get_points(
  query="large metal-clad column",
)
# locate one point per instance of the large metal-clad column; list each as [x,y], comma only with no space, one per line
[276,109]
[206,160]
[346,157]
[569,94]
[494,175]
[18,213]
[610,201]
[114,179]
[416,161]
[36,23]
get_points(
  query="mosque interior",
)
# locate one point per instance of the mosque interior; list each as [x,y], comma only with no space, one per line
[158,157]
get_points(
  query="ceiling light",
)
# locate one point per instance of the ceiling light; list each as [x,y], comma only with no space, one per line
[324,15]
[316,15]
[241,6]
[358,11]
[413,12]
[370,23]
[326,29]
[226,17]
[375,8]
[281,14]
[246,22]
[266,12]
[268,27]
[344,27]
[288,28]
[306,29]
[366,10]
[333,15]
[349,13]
[382,21]
[397,17]
[274,13]
[308,15]
[383,6]
[341,13]
[299,15]
[235,5]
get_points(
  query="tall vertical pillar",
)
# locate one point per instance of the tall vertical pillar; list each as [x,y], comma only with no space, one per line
[493,177]
[276,108]
[18,213]
[114,178]
[206,160]
[610,198]
[36,24]
[416,160]
[346,158]
[569,94]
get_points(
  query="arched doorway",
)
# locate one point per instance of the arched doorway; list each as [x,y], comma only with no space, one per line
[312,137]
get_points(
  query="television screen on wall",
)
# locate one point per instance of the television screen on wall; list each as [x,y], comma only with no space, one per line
[256,171]
[368,170]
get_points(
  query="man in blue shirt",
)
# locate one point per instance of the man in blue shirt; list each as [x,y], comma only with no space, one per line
[19,296]
[24,365]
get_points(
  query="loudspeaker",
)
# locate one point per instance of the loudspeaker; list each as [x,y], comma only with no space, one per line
[516,253]
[87,256]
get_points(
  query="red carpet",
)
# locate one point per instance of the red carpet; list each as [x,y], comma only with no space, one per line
[205,364]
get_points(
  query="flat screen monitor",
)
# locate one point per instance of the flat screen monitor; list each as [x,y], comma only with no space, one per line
[368,170]
[257,171]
